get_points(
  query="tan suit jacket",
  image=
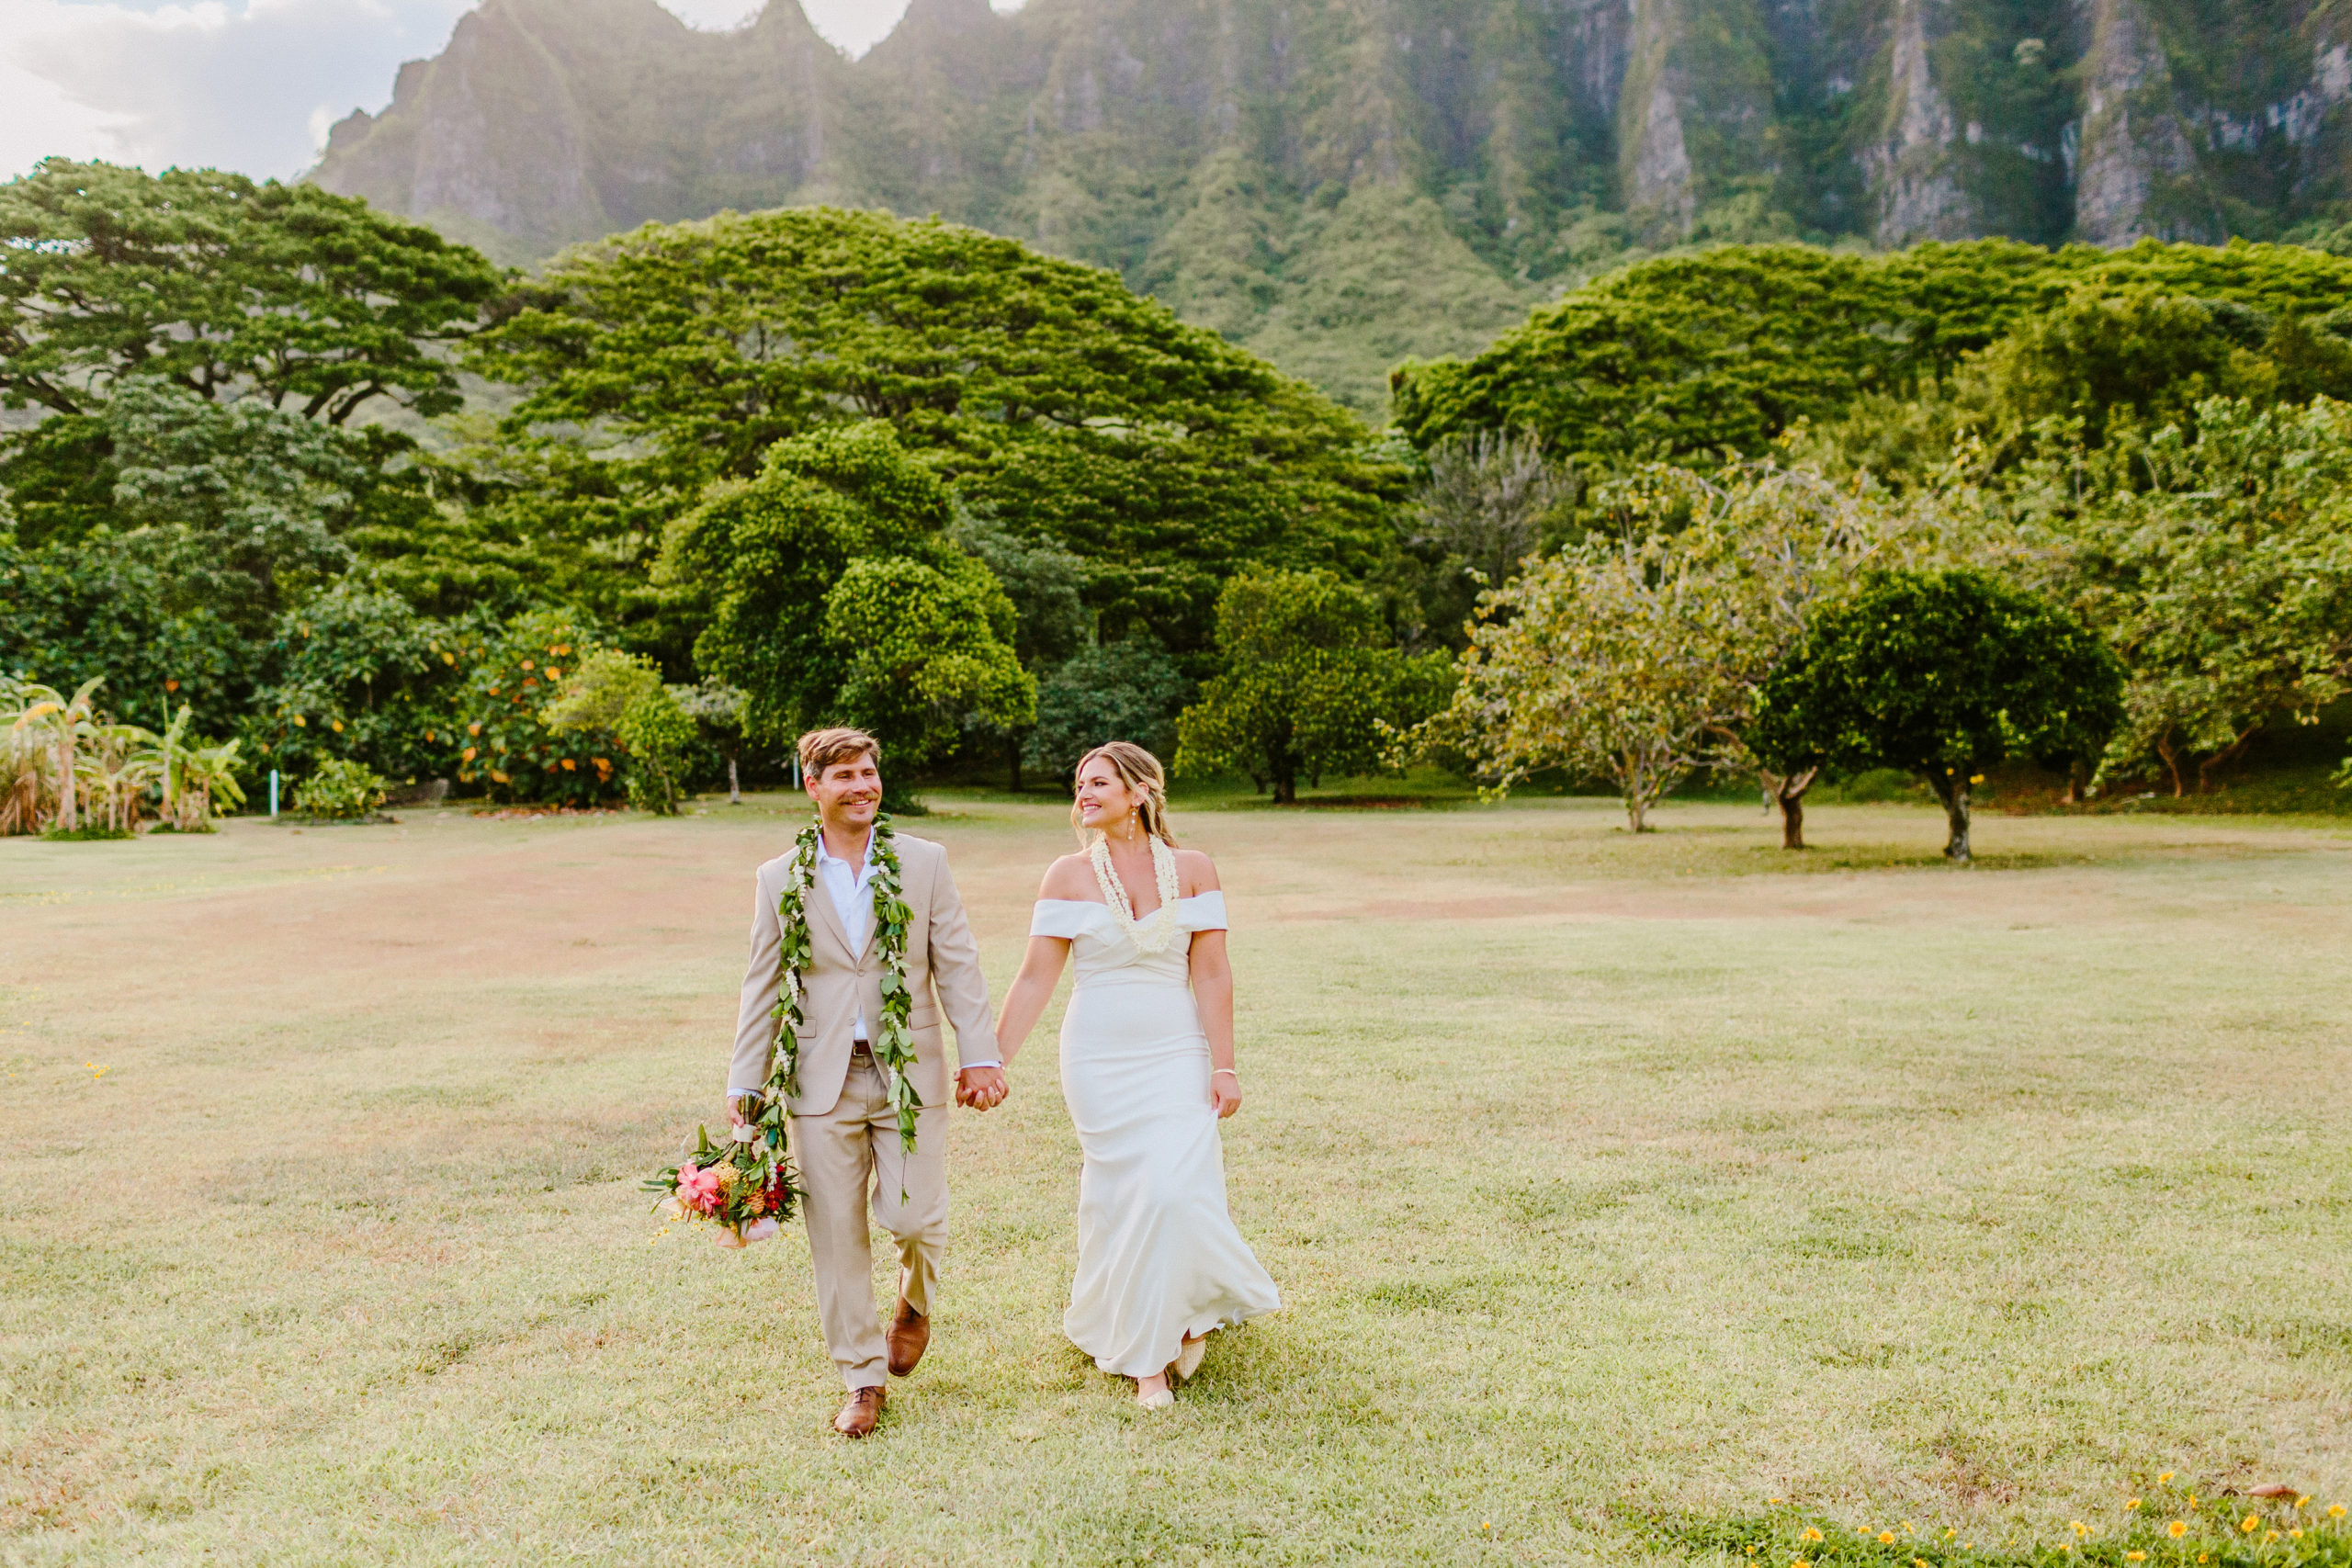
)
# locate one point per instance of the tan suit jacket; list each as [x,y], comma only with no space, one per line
[943,973]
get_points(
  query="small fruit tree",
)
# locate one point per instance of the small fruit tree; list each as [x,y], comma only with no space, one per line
[1940,674]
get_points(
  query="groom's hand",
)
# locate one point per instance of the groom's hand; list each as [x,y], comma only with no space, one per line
[982,1088]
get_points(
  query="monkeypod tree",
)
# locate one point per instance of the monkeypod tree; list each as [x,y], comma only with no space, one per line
[1077,413]
[1940,674]
[309,302]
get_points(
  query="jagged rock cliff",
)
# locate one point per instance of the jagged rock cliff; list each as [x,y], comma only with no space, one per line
[1342,183]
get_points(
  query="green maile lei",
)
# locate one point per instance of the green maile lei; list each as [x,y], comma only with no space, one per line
[894,1047]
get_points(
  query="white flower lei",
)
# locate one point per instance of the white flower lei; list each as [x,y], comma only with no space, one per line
[1155,936]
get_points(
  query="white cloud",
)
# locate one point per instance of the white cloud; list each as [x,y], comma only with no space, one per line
[253,85]
[240,87]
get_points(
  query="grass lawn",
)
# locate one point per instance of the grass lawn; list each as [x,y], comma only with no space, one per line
[1604,1179]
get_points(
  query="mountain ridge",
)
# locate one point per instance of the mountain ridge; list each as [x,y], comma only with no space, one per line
[1342,183]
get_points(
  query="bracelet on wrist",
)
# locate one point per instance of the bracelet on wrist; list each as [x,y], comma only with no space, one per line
[1227,1071]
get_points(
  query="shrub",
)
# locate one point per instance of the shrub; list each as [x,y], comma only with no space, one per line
[1120,691]
[511,747]
[619,693]
[341,789]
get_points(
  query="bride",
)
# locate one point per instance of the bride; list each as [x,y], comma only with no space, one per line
[1148,1071]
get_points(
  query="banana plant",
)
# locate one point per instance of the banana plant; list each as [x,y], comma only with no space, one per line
[47,728]
[118,765]
[25,754]
[206,772]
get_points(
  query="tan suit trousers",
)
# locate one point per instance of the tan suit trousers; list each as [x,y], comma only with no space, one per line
[850,1156]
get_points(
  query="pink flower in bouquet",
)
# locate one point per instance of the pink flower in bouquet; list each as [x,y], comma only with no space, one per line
[698,1189]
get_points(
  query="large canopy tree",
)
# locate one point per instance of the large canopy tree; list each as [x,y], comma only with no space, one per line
[310,301]
[1688,356]
[1073,410]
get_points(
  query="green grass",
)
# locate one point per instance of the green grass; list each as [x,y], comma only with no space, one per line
[1629,1199]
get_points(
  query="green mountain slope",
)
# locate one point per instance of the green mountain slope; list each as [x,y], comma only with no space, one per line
[1342,183]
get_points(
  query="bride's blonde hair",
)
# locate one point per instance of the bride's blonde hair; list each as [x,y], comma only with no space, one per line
[1143,775]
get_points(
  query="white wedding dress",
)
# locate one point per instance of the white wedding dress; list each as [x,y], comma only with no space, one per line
[1157,1256]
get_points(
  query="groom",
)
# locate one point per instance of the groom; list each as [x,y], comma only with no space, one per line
[843,1129]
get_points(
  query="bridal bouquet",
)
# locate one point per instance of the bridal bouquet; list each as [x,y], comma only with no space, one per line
[743,1185]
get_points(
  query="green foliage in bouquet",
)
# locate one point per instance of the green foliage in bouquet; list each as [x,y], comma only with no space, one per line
[745,1181]
[340,788]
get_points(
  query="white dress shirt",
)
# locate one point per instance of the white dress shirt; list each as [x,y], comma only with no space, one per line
[852,890]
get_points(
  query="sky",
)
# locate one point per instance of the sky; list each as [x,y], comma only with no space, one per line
[250,84]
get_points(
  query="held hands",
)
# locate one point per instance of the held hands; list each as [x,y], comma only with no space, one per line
[1225,1092]
[981,1088]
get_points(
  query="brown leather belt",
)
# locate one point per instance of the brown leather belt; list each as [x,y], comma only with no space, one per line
[861,1048]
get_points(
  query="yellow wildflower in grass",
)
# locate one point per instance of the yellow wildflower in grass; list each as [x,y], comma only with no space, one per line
[1799,1562]
[2135,1557]
[2133,1504]
[1886,1538]
[1810,1534]
[2270,1535]
[2164,1477]
[2251,1524]
[2294,1535]
[2303,1498]
[2080,1530]
[2177,1529]
[2336,1510]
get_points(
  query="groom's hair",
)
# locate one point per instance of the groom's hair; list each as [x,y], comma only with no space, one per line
[821,748]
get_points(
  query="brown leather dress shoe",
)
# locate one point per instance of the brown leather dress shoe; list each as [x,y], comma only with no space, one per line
[862,1412]
[910,1337]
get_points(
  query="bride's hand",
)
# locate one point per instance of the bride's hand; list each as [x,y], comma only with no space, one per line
[1225,1092]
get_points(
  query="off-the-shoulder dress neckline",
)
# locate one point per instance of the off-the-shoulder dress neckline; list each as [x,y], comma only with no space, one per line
[1098,904]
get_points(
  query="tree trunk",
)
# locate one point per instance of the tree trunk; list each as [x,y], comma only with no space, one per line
[734,784]
[66,788]
[1636,789]
[2172,762]
[1952,789]
[1787,792]
[1285,786]
[2220,758]
[2078,778]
